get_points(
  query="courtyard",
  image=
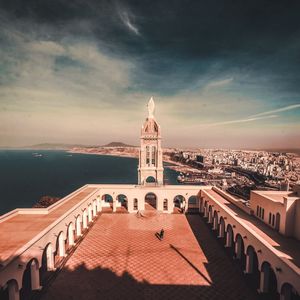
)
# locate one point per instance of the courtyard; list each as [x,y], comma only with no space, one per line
[121,258]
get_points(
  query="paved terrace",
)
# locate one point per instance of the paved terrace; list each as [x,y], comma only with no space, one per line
[286,247]
[23,226]
[120,258]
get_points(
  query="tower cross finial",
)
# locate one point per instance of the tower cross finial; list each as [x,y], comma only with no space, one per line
[151,108]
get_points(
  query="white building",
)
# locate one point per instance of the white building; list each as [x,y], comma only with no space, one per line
[150,170]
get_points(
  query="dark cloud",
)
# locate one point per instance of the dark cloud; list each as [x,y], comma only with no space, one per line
[174,43]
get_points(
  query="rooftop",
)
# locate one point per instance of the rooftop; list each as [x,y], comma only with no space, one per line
[25,224]
[278,196]
[287,248]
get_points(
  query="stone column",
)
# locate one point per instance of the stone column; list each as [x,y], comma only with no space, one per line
[249,264]
[71,236]
[84,223]
[264,281]
[114,205]
[99,206]
[205,211]
[238,249]
[215,223]
[50,260]
[209,217]
[35,276]
[130,204]
[78,227]
[62,248]
[95,208]
[13,291]
[90,213]
[228,239]
[221,230]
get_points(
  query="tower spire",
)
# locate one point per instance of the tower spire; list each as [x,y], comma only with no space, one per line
[151,108]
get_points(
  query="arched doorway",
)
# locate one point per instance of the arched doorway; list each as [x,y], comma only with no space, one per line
[251,269]
[240,250]
[10,291]
[47,261]
[150,201]
[215,221]
[268,281]
[30,280]
[288,292]
[229,240]
[178,201]
[193,205]
[222,229]
[122,199]
[60,247]
[107,202]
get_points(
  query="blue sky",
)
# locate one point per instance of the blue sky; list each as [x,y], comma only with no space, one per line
[222,73]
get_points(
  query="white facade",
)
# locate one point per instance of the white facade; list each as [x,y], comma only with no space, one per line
[150,170]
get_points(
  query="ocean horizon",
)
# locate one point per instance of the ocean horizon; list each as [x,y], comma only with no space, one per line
[28,175]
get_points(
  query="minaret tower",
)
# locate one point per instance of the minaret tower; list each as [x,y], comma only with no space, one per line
[150,170]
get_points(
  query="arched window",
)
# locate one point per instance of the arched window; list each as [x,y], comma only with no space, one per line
[150,179]
[147,155]
[135,204]
[165,204]
[277,224]
[153,155]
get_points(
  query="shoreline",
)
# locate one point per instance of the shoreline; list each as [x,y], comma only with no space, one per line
[175,166]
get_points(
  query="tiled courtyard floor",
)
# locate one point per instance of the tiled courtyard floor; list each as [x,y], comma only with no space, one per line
[120,258]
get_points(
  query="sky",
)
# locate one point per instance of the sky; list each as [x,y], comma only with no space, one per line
[223,74]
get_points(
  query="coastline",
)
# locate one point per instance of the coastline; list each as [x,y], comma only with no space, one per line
[176,166]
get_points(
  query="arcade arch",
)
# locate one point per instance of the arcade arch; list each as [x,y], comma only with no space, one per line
[268,281]
[30,279]
[150,201]
[251,268]
[288,292]
[179,203]
[10,291]
[123,200]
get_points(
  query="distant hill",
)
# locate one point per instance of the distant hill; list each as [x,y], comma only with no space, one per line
[54,146]
[117,144]
[61,146]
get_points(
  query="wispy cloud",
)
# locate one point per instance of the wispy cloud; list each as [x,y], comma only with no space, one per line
[285,108]
[246,120]
[219,83]
[128,23]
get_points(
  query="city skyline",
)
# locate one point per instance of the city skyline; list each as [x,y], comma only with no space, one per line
[222,74]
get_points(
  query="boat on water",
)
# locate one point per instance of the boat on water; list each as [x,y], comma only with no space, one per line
[37,154]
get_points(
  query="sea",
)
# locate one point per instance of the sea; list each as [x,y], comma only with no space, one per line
[27,175]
